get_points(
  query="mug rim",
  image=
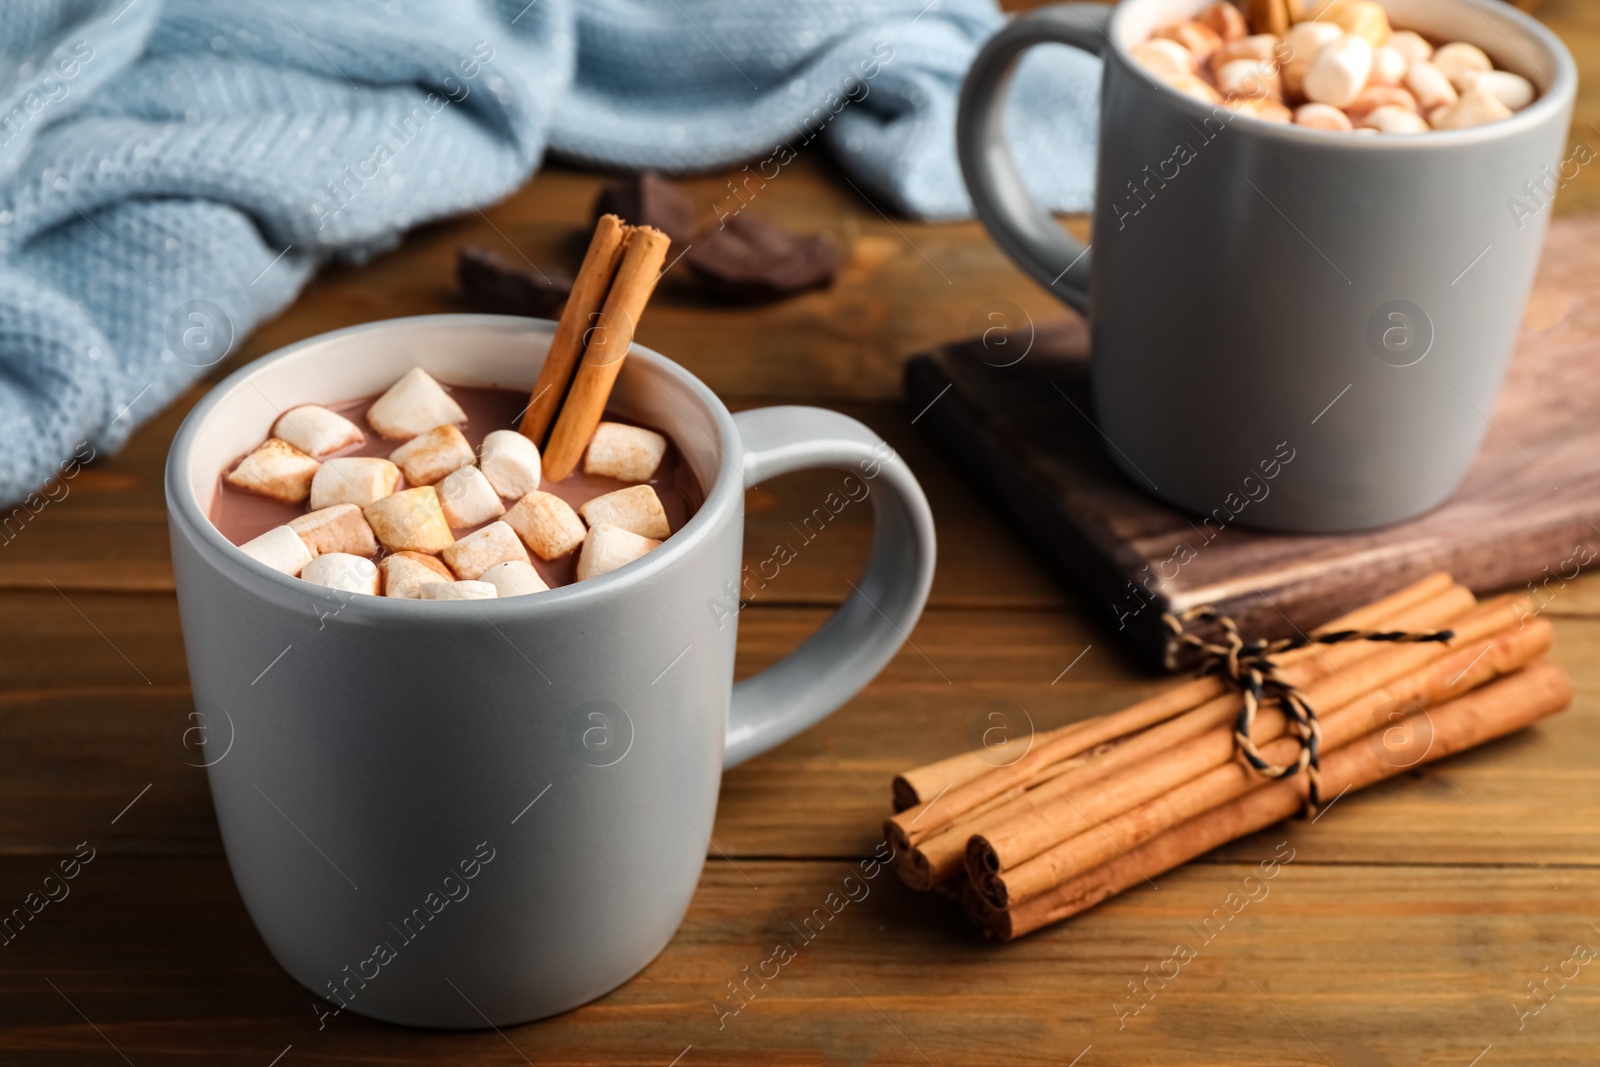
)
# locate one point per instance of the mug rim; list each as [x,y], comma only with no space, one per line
[184,509]
[1559,96]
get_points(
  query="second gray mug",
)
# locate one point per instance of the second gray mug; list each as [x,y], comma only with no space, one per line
[1292,328]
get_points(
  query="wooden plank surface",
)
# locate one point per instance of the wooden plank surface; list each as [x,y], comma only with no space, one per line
[1404,930]
[1295,976]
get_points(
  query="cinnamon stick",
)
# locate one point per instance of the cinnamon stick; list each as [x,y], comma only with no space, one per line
[1189,746]
[933,856]
[644,252]
[1499,708]
[588,294]
[964,798]
[1186,696]
[1474,663]
[1446,679]
[1378,615]
[923,783]
[925,862]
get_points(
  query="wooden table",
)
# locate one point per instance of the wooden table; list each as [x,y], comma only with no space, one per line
[1405,930]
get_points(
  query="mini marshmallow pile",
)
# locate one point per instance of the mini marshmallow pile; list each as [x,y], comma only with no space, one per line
[356,505]
[1341,68]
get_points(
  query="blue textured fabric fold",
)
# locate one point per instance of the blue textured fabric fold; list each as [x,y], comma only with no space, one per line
[173,171]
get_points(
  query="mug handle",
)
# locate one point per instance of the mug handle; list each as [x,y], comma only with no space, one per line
[1023,230]
[859,639]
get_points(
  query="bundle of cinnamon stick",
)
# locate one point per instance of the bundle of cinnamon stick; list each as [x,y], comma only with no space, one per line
[619,272]
[1098,806]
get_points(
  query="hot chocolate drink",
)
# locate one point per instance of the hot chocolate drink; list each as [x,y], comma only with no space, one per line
[428,491]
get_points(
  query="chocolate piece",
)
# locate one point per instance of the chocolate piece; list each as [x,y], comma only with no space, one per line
[499,284]
[649,200]
[751,259]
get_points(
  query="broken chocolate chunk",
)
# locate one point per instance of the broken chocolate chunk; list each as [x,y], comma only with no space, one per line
[499,284]
[649,200]
[750,259]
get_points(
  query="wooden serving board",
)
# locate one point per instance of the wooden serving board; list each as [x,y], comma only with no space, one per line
[1528,511]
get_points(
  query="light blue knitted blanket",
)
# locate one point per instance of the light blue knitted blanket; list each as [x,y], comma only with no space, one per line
[173,171]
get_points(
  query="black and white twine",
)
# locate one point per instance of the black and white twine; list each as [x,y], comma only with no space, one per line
[1249,668]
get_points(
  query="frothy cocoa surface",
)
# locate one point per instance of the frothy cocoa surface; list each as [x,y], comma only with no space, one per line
[241,516]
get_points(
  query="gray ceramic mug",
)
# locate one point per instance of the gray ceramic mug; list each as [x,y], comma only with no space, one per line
[1258,291]
[471,813]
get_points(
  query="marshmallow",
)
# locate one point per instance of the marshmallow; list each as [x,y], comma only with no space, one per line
[279,548]
[1200,40]
[458,591]
[411,520]
[609,547]
[468,499]
[431,455]
[1224,20]
[511,463]
[1321,117]
[514,578]
[1300,46]
[1339,59]
[1430,86]
[1362,18]
[1389,66]
[636,509]
[433,563]
[405,573]
[357,480]
[1264,108]
[1339,72]
[342,571]
[1512,90]
[1163,59]
[547,524]
[1462,63]
[340,528]
[1413,46]
[1259,46]
[632,453]
[1253,78]
[1475,108]
[1393,118]
[413,404]
[478,551]
[317,431]
[276,469]
[1376,96]
[1190,85]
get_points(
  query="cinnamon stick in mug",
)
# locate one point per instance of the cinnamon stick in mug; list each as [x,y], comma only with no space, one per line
[588,294]
[644,251]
